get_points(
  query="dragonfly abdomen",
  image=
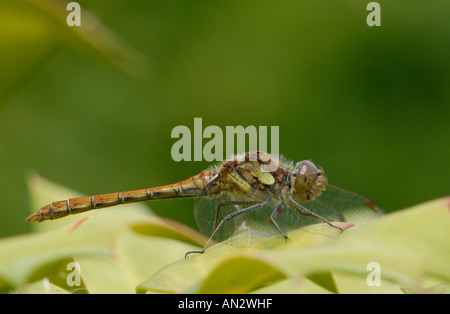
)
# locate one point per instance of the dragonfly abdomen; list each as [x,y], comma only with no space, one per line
[78,205]
[192,187]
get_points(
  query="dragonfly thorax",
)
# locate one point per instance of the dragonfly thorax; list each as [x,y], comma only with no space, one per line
[308,181]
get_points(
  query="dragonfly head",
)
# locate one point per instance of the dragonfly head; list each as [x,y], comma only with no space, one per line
[308,181]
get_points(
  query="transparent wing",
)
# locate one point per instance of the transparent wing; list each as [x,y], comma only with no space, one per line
[338,204]
[246,229]
[334,204]
[255,227]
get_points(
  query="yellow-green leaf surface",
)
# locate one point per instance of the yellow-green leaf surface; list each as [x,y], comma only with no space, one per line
[411,248]
[112,257]
[227,269]
[443,288]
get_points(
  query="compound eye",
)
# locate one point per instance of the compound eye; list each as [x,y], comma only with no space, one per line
[307,168]
[306,175]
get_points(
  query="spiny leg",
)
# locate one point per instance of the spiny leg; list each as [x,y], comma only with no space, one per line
[303,211]
[273,221]
[227,218]
[225,203]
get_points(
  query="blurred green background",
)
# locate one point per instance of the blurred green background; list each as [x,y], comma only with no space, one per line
[93,108]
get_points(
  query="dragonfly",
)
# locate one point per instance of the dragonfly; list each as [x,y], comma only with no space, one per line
[255,191]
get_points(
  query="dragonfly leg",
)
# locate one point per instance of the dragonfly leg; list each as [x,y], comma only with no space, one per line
[303,211]
[227,218]
[225,203]
[274,222]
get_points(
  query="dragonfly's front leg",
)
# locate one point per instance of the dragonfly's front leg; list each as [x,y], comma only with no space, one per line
[303,211]
[274,222]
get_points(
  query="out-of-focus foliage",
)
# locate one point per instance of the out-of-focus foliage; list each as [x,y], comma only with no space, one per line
[32,31]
